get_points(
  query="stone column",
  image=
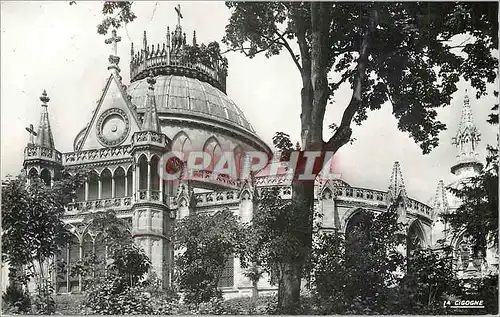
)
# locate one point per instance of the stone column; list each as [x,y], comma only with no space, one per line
[112,186]
[80,280]
[86,190]
[126,184]
[160,181]
[99,188]
[148,194]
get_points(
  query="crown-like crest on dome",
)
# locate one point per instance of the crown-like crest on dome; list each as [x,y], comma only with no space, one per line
[170,58]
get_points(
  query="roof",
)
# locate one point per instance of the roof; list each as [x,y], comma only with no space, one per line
[191,96]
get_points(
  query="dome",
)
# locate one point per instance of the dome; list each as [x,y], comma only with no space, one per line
[190,96]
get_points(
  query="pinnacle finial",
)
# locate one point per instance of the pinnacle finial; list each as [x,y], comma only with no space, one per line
[132,49]
[194,38]
[44,98]
[396,183]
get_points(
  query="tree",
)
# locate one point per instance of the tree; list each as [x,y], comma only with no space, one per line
[33,230]
[113,285]
[401,52]
[206,243]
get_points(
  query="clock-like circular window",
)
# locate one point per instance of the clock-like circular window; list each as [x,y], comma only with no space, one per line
[113,127]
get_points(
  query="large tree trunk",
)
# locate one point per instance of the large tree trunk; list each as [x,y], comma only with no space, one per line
[314,97]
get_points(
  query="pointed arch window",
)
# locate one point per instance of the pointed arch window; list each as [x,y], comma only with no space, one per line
[214,150]
[182,144]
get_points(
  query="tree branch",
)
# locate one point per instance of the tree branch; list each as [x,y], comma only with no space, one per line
[289,49]
[344,132]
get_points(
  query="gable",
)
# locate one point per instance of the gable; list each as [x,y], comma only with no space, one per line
[113,122]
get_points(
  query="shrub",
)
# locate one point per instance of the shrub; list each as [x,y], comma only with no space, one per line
[15,301]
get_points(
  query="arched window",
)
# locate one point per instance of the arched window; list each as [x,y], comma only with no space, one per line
[214,150]
[46,177]
[106,186]
[143,172]
[239,159]
[415,237]
[119,177]
[33,173]
[93,185]
[357,233]
[227,276]
[181,143]
[327,208]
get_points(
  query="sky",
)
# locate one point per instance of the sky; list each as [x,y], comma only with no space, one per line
[55,46]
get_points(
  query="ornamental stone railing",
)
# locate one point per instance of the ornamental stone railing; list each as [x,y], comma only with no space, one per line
[93,155]
[151,195]
[217,198]
[148,137]
[165,63]
[32,152]
[99,204]
[370,196]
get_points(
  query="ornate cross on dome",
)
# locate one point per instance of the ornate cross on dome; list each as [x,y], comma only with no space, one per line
[114,39]
[32,133]
[179,14]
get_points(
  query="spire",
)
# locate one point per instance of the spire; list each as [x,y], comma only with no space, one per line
[145,41]
[466,141]
[44,136]
[194,38]
[396,183]
[440,204]
[151,122]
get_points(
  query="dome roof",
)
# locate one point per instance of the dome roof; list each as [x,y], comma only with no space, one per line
[181,94]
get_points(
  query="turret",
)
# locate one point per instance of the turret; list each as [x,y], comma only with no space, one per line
[466,141]
[41,159]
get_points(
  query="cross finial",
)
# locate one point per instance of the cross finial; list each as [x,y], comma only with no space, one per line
[114,39]
[44,99]
[179,14]
[32,133]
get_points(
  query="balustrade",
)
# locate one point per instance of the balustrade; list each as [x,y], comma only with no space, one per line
[91,155]
[35,151]
[110,203]
[149,136]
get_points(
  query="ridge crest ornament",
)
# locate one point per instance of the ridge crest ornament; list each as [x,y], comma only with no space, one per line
[113,127]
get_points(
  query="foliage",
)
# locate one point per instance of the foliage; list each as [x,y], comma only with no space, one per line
[429,280]
[116,13]
[270,241]
[206,243]
[402,52]
[68,304]
[111,297]
[114,287]
[33,231]
[15,300]
[209,55]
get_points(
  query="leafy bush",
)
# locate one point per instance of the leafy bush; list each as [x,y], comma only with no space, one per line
[68,304]
[112,297]
[15,301]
